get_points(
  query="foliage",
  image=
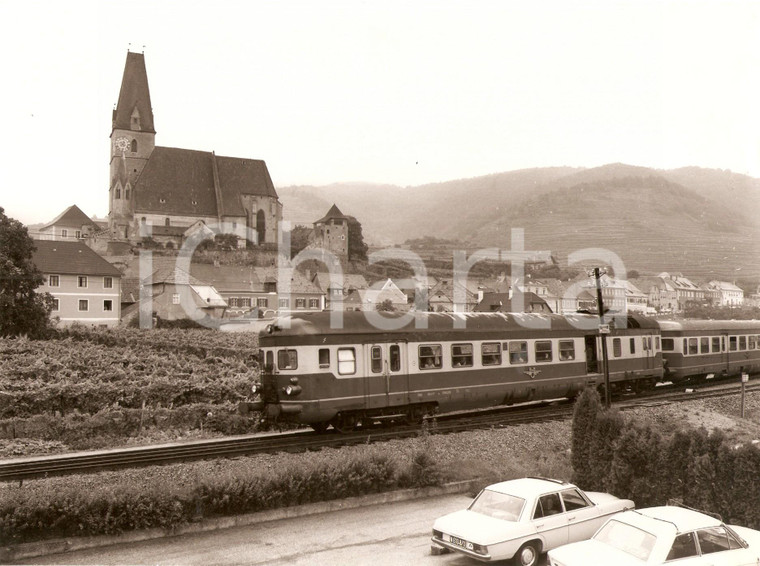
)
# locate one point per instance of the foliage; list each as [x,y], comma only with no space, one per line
[385,306]
[586,409]
[357,249]
[22,309]
[299,239]
[60,507]
[693,310]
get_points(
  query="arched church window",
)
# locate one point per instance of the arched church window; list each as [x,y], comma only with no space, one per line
[126,193]
[133,149]
[167,222]
[118,193]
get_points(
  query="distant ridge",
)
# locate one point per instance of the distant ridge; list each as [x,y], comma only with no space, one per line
[705,222]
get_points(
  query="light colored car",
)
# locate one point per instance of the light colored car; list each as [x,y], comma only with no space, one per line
[524,518]
[663,535]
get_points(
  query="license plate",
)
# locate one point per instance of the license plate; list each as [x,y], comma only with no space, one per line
[460,542]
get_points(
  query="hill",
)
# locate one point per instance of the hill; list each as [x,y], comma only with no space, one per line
[703,222]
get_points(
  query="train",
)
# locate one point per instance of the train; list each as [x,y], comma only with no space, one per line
[359,373]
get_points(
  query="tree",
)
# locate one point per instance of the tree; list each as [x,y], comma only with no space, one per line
[385,306]
[357,249]
[22,309]
[299,239]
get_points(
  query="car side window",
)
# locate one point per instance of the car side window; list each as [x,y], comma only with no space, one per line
[573,500]
[548,505]
[714,539]
[683,546]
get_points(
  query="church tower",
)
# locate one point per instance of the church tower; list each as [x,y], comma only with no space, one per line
[133,138]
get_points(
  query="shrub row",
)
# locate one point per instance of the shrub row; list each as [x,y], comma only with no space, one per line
[639,462]
[53,509]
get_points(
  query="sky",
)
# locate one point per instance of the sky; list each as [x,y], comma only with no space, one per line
[398,92]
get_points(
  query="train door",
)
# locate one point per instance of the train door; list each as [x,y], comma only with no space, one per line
[649,353]
[592,359]
[387,381]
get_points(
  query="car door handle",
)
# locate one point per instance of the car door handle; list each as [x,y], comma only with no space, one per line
[571,518]
[540,526]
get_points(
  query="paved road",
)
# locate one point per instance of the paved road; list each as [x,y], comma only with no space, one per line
[381,535]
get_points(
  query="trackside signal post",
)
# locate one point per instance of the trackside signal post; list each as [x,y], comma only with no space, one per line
[604,329]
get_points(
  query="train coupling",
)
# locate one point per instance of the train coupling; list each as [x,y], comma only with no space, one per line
[246,407]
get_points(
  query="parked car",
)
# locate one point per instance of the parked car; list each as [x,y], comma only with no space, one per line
[661,535]
[524,518]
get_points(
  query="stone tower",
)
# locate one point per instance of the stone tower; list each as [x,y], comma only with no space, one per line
[132,141]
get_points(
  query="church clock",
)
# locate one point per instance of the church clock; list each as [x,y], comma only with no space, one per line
[121,144]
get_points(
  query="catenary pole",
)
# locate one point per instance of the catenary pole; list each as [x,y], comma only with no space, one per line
[597,276]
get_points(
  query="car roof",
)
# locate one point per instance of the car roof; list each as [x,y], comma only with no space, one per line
[529,487]
[680,518]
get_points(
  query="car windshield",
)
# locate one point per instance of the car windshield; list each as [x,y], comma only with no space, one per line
[498,505]
[627,538]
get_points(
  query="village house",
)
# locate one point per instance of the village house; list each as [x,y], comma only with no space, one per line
[86,288]
[729,294]
[70,226]
[370,299]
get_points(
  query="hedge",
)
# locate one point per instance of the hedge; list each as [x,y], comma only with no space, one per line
[637,461]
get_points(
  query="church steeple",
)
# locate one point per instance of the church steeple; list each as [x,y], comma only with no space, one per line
[133,111]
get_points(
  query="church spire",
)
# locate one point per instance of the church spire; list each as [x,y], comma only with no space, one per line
[133,111]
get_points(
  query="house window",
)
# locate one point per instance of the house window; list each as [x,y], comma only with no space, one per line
[284,303]
[56,304]
[313,303]
[65,233]
[107,305]
[78,234]
[175,299]
[232,302]
[262,302]
[107,282]
[82,281]
[245,302]
[167,222]
[300,303]
[84,305]
[54,281]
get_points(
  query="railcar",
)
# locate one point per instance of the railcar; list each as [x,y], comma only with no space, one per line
[697,348]
[318,375]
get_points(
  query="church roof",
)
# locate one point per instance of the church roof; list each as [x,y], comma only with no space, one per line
[134,93]
[181,182]
[334,212]
[72,216]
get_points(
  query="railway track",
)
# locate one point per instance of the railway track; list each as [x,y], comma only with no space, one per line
[19,469]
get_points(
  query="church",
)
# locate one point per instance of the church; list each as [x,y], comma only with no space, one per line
[169,192]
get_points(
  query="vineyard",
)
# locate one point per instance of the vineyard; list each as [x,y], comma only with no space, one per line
[90,388]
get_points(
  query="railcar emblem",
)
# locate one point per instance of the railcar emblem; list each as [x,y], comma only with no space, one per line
[532,372]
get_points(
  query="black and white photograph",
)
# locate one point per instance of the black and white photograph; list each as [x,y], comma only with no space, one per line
[380,283]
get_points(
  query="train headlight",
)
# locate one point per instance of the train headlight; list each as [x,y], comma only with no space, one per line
[255,388]
[292,390]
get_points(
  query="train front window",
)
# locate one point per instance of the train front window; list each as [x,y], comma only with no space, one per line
[376,359]
[704,345]
[324,358]
[346,361]
[716,343]
[566,350]
[287,359]
[668,345]
[461,355]
[430,356]
[518,352]
[395,355]
[543,351]
[490,354]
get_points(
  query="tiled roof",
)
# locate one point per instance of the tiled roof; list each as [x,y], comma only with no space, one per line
[228,278]
[175,276]
[72,216]
[334,212]
[134,93]
[181,182]
[72,258]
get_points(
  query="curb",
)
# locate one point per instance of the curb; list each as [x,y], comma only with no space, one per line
[57,546]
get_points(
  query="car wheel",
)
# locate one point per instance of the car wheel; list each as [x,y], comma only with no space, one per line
[528,554]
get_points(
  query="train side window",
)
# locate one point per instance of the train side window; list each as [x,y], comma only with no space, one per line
[566,350]
[752,342]
[704,345]
[490,354]
[269,363]
[668,345]
[716,343]
[395,354]
[646,343]
[430,356]
[518,352]
[376,359]
[742,342]
[543,351]
[461,355]
[693,346]
[633,345]
[287,359]
[732,343]
[617,349]
[346,361]
[656,342]
[723,343]
[324,358]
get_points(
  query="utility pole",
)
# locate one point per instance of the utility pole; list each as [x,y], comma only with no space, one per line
[603,331]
